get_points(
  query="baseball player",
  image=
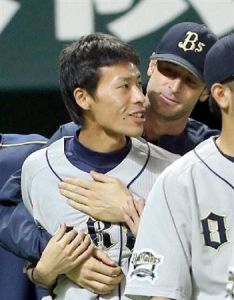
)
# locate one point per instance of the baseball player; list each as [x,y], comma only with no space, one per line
[184,247]
[101,88]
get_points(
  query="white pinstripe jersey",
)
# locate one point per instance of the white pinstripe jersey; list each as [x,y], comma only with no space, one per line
[40,178]
[184,245]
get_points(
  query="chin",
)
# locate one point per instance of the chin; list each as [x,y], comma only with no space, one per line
[135,133]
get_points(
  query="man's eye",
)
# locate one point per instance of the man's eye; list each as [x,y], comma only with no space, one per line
[167,72]
[126,86]
[190,81]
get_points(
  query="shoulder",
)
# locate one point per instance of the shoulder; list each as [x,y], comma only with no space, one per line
[190,164]
[158,158]
[156,152]
[200,131]
[38,160]
[35,161]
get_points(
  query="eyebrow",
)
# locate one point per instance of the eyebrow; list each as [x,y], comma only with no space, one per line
[127,78]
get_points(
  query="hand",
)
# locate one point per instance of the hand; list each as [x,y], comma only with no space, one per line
[64,251]
[101,198]
[98,273]
[132,213]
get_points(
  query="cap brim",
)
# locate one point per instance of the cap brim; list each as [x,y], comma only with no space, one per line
[179,61]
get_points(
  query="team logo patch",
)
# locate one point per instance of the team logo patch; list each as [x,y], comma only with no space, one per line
[191,43]
[214,230]
[144,265]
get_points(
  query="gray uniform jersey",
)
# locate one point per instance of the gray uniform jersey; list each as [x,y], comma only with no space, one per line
[184,246]
[41,174]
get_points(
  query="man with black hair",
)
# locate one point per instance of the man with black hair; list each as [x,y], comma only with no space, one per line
[101,88]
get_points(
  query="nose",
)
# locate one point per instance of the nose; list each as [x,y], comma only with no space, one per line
[175,84]
[138,96]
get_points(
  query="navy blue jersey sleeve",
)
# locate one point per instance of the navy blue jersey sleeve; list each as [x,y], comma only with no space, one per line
[19,233]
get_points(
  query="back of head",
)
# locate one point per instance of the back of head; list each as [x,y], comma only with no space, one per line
[186,44]
[219,64]
[80,63]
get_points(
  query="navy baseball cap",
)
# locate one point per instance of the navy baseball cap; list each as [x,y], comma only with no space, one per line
[219,63]
[186,44]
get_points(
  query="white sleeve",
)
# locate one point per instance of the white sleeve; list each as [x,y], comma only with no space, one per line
[160,264]
[26,183]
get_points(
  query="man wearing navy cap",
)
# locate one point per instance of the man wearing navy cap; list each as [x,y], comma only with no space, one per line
[185,243]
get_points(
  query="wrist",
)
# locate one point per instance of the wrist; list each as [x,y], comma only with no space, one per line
[43,276]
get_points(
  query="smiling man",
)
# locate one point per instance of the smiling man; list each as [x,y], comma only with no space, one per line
[101,87]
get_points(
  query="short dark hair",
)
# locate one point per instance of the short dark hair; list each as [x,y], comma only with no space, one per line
[80,63]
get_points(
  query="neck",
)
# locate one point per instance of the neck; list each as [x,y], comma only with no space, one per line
[225,141]
[155,127]
[101,141]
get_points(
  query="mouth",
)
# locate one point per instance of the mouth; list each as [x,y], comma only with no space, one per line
[138,117]
[137,114]
[169,99]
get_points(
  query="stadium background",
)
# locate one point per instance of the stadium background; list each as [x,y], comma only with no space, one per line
[32,33]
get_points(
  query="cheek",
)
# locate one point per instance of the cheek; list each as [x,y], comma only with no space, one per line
[191,99]
[153,85]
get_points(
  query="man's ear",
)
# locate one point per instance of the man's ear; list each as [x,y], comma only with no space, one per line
[151,67]
[204,95]
[82,98]
[219,93]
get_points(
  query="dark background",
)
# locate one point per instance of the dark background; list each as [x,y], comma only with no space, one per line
[29,94]
[43,112]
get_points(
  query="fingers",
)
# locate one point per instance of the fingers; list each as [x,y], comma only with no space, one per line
[93,274]
[73,191]
[81,207]
[79,244]
[127,216]
[132,209]
[102,279]
[73,183]
[140,204]
[132,213]
[75,243]
[104,284]
[84,254]
[69,236]
[106,270]
[102,177]
[104,258]
[59,233]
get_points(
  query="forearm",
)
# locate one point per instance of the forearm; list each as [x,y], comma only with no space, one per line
[38,275]
[19,234]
